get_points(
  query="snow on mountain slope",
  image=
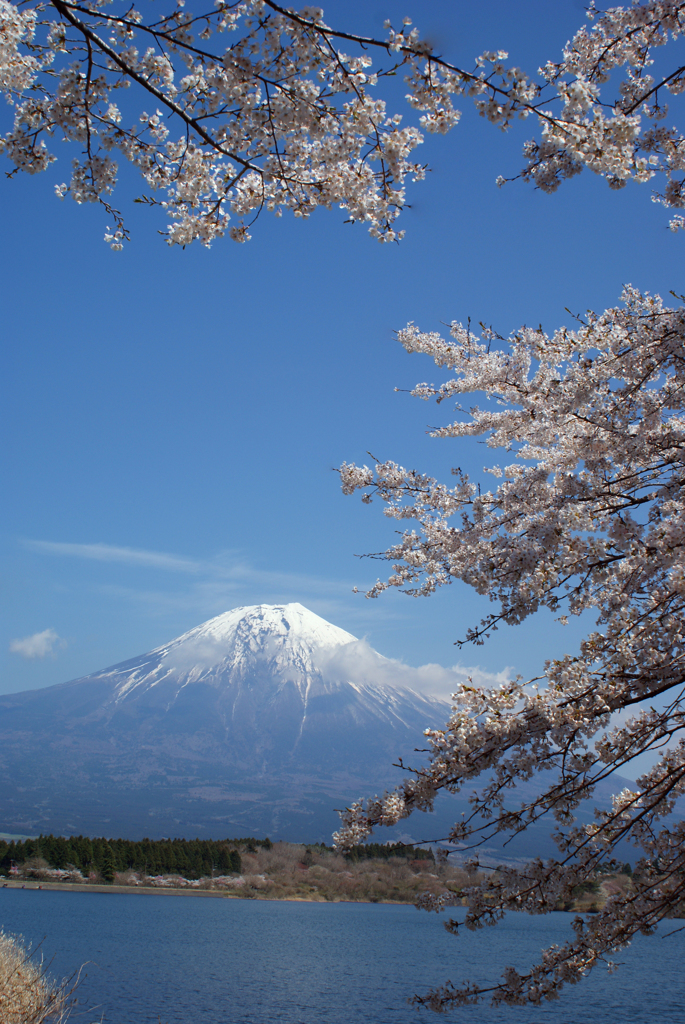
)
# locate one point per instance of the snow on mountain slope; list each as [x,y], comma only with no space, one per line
[276,661]
[261,721]
[282,640]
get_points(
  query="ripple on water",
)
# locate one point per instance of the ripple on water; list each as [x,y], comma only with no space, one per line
[205,961]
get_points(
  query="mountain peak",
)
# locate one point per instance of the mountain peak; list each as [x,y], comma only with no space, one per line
[261,720]
[289,622]
[279,642]
[282,636]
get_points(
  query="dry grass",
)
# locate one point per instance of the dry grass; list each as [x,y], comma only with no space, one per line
[27,995]
[289,870]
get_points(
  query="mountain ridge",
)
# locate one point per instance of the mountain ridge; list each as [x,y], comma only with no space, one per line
[245,722]
[261,721]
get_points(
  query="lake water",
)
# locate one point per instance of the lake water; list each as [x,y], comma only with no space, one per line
[181,960]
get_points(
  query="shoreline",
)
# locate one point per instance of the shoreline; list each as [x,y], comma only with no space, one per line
[96,887]
[153,890]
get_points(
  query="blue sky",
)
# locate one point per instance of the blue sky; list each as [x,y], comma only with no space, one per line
[172,418]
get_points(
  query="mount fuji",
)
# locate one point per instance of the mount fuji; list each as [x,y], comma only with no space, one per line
[261,721]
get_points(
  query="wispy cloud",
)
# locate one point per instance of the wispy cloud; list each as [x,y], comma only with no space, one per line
[227,571]
[203,587]
[38,645]
[110,553]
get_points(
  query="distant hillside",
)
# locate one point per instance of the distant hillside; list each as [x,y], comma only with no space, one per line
[242,726]
[259,722]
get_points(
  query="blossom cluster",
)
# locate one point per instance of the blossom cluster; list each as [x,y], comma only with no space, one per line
[280,118]
[588,516]
[622,137]
[17,69]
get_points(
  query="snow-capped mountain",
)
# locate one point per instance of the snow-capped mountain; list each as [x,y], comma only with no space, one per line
[281,641]
[262,720]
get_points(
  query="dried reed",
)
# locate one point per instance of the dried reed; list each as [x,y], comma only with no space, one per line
[27,994]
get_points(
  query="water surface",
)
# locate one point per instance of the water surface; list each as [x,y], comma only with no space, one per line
[181,960]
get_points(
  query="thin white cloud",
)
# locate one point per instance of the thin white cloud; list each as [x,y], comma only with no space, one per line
[199,654]
[39,645]
[111,553]
[224,574]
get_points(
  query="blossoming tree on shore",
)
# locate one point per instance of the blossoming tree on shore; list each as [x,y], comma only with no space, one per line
[589,516]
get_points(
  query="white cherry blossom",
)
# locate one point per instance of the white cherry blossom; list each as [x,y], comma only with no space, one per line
[258,107]
[589,515]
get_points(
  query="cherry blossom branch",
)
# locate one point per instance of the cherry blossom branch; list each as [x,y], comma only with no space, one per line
[130,72]
[294,121]
[606,441]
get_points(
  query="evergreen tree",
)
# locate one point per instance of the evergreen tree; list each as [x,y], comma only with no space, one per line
[108,864]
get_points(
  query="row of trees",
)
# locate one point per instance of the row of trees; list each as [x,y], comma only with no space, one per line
[192,858]
[381,851]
